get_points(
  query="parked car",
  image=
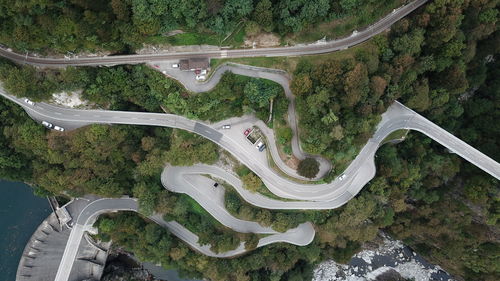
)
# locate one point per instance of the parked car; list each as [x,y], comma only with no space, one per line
[262,147]
[226,127]
[29,102]
[203,72]
[247,132]
[200,77]
[60,129]
[342,177]
[259,144]
[216,184]
[175,65]
[47,124]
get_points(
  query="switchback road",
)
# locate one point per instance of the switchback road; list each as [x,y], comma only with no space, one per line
[338,192]
[278,76]
[83,222]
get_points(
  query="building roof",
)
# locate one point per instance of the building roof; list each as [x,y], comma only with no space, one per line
[194,63]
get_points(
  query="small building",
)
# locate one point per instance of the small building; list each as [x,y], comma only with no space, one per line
[194,64]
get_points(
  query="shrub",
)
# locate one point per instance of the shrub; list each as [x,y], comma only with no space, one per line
[308,168]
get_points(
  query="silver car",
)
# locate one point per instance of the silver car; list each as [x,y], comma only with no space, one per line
[47,124]
[60,129]
[29,102]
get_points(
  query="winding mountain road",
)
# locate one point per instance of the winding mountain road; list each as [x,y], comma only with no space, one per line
[338,192]
[276,75]
[301,235]
[189,180]
[299,50]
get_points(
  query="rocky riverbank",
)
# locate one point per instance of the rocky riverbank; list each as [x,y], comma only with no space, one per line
[121,266]
[385,259]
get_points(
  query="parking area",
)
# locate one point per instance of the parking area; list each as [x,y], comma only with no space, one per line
[186,71]
[243,132]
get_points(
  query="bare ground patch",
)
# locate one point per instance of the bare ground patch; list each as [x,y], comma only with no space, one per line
[262,40]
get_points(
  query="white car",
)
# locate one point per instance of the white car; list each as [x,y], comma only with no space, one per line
[60,129]
[175,65]
[29,102]
[259,144]
[226,126]
[47,124]
[200,77]
[203,72]
[342,177]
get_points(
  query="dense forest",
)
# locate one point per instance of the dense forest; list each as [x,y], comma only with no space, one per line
[140,88]
[427,61]
[124,25]
[437,203]
[442,61]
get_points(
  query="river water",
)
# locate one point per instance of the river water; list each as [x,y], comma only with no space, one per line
[20,214]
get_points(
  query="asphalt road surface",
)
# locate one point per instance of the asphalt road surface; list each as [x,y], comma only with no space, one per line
[359,172]
[275,75]
[299,50]
[84,222]
[301,235]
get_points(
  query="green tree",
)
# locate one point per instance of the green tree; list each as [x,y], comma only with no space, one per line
[409,43]
[251,242]
[232,202]
[263,15]
[308,168]
[284,134]
[356,85]
[251,182]
[301,84]
[260,93]
[295,15]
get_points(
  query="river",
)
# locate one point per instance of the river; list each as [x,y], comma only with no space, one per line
[20,214]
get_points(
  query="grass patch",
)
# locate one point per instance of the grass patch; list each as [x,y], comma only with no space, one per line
[396,135]
[192,37]
[236,38]
[271,62]
[284,146]
[289,64]
[243,170]
[195,207]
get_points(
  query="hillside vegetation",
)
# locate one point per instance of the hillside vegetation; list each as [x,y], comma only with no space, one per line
[443,61]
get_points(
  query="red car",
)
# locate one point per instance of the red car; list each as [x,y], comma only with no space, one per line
[247,131]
